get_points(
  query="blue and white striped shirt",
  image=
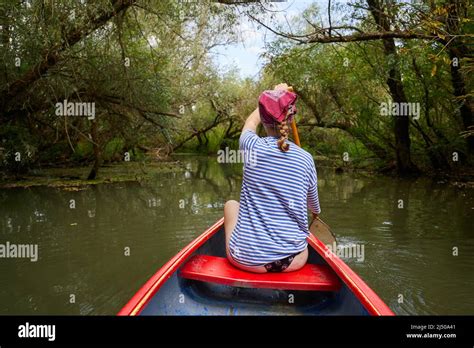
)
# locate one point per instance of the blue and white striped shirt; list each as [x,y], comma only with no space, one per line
[277,189]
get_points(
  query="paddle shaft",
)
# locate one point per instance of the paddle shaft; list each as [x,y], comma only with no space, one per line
[294,129]
[296,137]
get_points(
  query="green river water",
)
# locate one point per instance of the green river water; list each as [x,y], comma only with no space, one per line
[93,258]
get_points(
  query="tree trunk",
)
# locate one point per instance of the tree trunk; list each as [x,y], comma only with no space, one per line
[199,140]
[228,133]
[97,153]
[4,39]
[401,124]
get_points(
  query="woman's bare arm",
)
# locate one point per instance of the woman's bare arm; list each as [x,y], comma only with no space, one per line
[252,121]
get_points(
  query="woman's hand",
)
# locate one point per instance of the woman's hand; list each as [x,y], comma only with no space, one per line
[281,87]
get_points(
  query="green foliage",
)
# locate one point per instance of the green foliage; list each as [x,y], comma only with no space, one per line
[343,85]
[17,152]
[83,150]
[150,74]
[114,149]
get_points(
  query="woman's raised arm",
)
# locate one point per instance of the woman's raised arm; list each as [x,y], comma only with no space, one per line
[252,121]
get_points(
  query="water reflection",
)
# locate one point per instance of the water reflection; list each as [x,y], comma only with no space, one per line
[409,228]
[82,251]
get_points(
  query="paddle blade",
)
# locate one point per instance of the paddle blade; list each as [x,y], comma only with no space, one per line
[321,231]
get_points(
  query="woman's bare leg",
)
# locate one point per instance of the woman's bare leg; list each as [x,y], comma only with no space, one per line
[231,213]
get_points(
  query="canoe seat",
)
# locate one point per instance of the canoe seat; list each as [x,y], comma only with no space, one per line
[219,270]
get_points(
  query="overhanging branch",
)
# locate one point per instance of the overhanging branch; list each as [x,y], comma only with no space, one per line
[53,55]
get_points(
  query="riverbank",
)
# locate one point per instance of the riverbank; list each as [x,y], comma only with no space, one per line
[140,171]
[77,176]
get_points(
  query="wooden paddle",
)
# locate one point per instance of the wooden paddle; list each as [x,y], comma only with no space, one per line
[318,227]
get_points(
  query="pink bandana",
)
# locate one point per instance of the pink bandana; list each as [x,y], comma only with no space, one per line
[274,105]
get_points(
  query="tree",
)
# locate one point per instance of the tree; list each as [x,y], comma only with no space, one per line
[441,24]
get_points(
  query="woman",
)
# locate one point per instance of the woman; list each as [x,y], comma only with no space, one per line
[267,231]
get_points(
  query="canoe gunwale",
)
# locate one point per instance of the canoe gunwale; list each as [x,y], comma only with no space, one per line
[368,298]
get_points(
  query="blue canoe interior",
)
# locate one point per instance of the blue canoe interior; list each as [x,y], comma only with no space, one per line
[190,291]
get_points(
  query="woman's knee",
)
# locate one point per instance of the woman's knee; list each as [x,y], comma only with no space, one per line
[231,204]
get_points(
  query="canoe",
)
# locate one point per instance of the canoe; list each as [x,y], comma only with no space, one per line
[200,281]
